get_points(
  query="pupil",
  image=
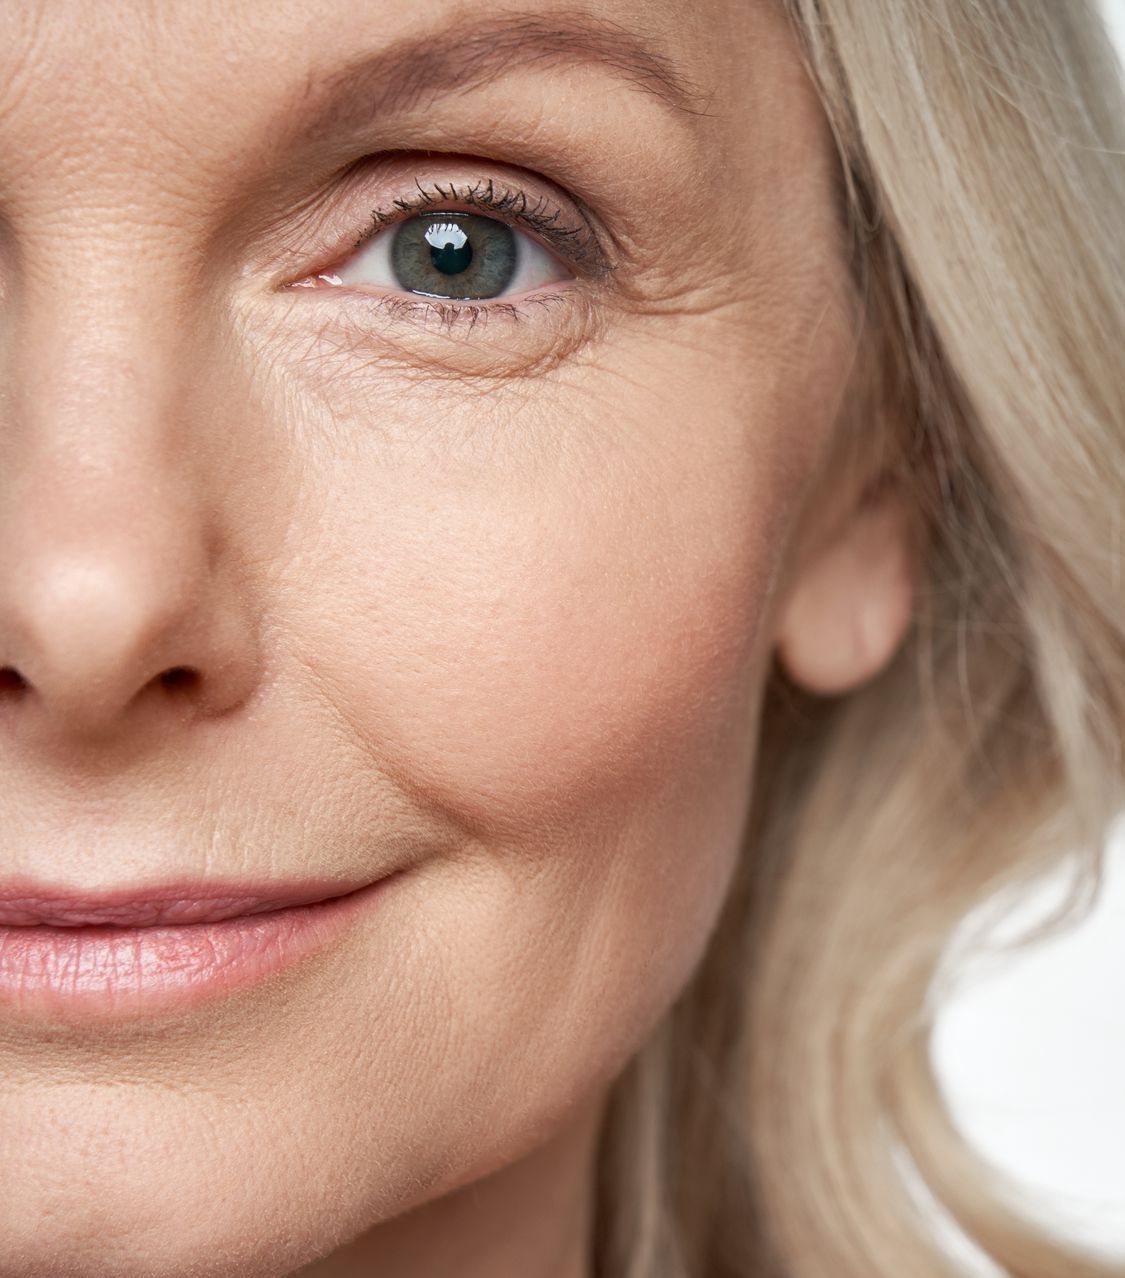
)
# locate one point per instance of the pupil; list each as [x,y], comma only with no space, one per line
[453,255]
[450,250]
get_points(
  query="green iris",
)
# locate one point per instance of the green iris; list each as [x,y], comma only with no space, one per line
[456,255]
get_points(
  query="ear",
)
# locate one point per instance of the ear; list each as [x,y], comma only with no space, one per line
[848,608]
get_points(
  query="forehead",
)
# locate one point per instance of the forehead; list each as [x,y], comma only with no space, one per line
[247,32]
[207,71]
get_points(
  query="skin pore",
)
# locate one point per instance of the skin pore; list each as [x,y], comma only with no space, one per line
[481,595]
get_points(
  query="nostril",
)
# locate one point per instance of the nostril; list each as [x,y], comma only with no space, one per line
[11,681]
[179,679]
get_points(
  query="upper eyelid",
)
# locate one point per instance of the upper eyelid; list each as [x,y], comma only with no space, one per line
[580,245]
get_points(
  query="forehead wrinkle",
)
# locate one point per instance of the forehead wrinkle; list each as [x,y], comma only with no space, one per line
[469,53]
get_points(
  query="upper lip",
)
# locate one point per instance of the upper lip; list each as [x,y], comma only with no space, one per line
[169,904]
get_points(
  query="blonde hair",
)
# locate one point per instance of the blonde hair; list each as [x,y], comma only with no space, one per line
[761,1132]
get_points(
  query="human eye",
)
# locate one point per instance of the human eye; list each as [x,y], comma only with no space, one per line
[450,245]
[449,255]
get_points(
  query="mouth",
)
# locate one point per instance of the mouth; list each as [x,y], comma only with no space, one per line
[145,953]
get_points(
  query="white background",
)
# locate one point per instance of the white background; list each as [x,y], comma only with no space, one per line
[1115,12]
[1031,1053]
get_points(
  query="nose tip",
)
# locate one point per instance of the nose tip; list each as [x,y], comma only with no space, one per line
[125,581]
[92,640]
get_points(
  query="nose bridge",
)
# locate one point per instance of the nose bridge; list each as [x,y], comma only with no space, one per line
[111,575]
[96,447]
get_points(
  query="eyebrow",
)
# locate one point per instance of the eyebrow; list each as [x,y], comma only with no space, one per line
[469,53]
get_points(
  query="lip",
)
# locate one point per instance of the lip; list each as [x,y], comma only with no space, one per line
[129,954]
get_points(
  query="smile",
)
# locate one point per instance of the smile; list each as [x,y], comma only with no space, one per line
[157,952]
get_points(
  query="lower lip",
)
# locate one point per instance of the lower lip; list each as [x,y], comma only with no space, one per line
[122,973]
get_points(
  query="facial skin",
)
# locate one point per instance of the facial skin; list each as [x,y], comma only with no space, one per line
[485,598]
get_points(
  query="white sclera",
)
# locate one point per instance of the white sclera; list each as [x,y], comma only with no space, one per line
[371,264]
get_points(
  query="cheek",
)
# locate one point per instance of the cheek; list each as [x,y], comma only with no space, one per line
[537,639]
[578,697]
[547,627]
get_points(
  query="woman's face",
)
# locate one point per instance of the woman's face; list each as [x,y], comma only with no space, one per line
[314,579]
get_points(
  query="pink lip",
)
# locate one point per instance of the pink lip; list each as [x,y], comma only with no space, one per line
[129,954]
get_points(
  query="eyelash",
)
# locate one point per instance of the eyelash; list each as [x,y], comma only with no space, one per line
[470,313]
[578,245]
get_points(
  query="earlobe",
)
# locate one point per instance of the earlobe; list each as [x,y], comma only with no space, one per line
[848,610]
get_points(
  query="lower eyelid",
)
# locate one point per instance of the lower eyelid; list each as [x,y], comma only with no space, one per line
[541,295]
[557,319]
[370,336]
[452,311]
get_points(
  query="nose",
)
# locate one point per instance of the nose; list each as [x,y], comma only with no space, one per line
[120,601]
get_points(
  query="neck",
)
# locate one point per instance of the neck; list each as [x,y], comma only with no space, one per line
[532,1219]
